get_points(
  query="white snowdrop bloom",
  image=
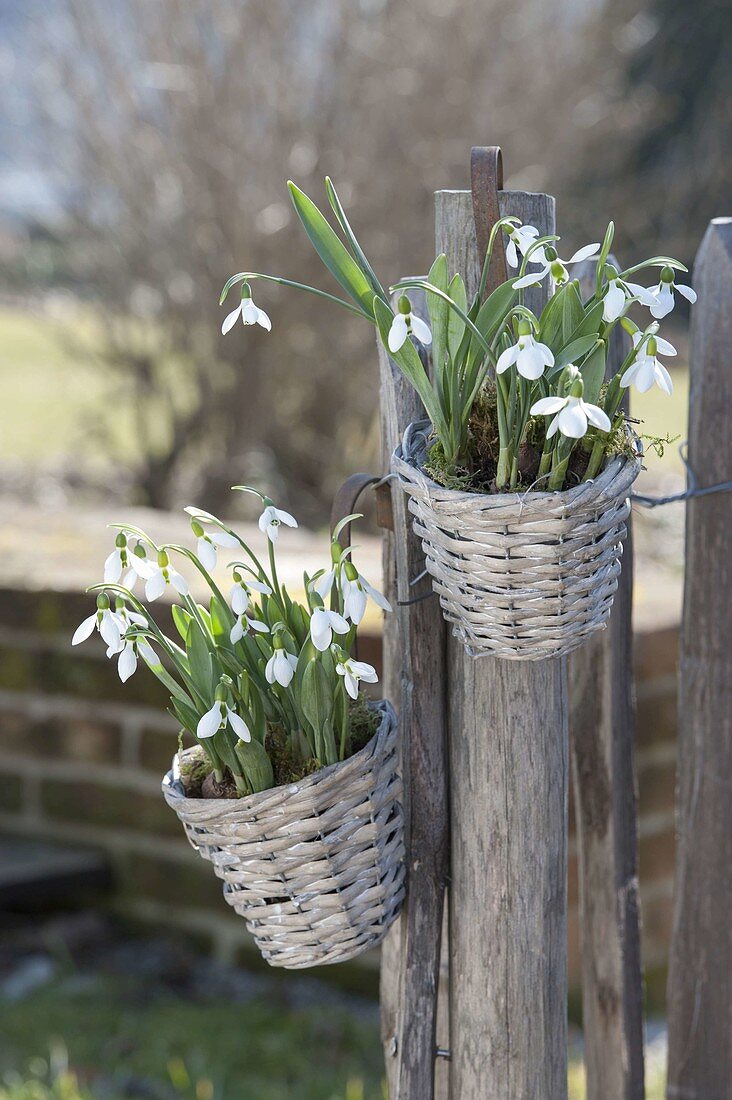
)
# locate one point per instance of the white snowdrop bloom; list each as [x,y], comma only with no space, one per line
[555,267]
[240,596]
[106,622]
[280,668]
[158,575]
[647,371]
[272,519]
[117,567]
[131,650]
[405,323]
[572,415]
[250,313]
[324,584]
[528,354]
[355,671]
[218,717]
[356,592]
[244,625]
[520,240]
[208,541]
[323,624]
[663,294]
[619,294]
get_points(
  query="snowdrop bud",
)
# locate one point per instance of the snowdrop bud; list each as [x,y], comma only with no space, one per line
[221,693]
[163,559]
[551,254]
[335,552]
[611,272]
[350,570]
[404,306]
[524,327]
[652,346]
[246,291]
[196,528]
[567,377]
[139,551]
[119,604]
[121,541]
[667,275]
[102,602]
[577,388]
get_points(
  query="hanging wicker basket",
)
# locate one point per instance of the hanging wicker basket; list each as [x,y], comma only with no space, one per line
[316,868]
[523,576]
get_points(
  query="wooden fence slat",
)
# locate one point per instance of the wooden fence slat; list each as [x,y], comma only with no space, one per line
[414,662]
[507,725]
[700,976]
[602,739]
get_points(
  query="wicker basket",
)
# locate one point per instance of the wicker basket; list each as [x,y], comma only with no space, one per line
[521,576]
[316,868]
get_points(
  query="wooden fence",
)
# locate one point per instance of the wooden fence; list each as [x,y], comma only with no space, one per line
[474,992]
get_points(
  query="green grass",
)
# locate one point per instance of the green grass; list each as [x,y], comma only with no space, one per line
[91,1038]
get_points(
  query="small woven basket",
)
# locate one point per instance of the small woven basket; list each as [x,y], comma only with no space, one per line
[316,868]
[523,576]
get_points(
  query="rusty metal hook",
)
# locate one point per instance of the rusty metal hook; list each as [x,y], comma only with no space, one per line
[486,180]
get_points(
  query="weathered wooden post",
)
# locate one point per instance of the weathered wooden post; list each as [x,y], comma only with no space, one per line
[414,663]
[507,728]
[602,737]
[700,977]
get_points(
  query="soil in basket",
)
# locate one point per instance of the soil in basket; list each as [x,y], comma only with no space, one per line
[199,781]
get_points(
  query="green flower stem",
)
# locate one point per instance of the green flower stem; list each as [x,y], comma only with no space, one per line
[596,457]
[505,462]
[545,464]
[247,276]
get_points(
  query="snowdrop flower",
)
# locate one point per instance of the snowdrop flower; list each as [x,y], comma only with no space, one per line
[520,240]
[218,717]
[208,541]
[355,671]
[249,313]
[647,370]
[157,577]
[105,621]
[323,624]
[280,668]
[555,267]
[618,295]
[572,414]
[118,564]
[529,356]
[240,595]
[272,519]
[406,324]
[244,625]
[356,592]
[663,294]
[127,663]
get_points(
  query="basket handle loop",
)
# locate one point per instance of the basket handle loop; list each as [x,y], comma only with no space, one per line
[486,180]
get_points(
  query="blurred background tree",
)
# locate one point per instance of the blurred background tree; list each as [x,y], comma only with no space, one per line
[165,131]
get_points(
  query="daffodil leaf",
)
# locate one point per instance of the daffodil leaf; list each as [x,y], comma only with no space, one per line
[332,251]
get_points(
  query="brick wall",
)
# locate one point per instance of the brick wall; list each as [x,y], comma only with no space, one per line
[81,758]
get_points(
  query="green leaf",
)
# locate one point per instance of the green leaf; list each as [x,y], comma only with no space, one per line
[561,316]
[593,373]
[492,313]
[221,622]
[157,668]
[199,660]
[358,252]
[572,352]
[316,696]
[181,618]
[590,323]
[455,323]
[332,251]
[255,764]
[438,311]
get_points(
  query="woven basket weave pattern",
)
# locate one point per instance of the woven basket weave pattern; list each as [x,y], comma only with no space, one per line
[520,576]
[316,868]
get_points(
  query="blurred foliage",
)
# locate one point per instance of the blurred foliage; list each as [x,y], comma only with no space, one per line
[171,127]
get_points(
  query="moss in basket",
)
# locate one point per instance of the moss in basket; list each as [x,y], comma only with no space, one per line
[197,776]
[480,475]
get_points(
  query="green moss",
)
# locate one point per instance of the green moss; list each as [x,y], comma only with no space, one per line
[364,724]
[195,766]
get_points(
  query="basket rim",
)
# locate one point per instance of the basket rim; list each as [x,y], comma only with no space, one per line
[404,454]
[173,788]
